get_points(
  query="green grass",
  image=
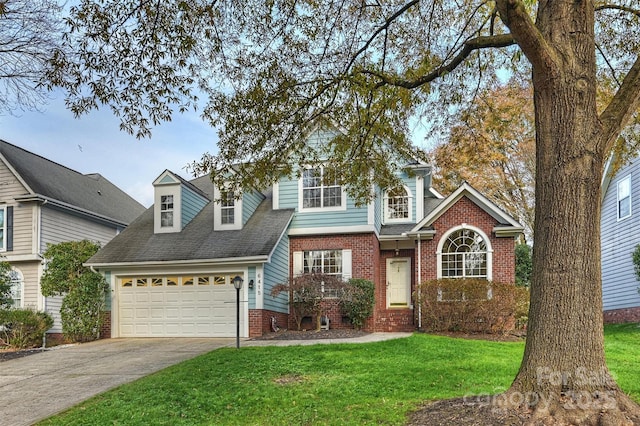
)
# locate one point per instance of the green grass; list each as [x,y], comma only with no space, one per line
[377,383]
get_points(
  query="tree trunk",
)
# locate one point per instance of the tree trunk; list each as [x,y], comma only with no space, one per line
[563,375]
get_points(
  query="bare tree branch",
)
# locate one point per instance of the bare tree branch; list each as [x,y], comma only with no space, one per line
[625,102]
[497,41]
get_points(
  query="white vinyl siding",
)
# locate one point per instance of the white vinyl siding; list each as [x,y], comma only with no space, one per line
[23,226]
[58,226]
[618,240]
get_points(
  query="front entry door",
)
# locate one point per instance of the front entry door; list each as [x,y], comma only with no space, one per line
[398,282]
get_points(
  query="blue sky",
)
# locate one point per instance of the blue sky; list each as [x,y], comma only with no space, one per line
[94,144]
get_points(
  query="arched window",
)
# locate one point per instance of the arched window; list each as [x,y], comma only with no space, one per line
[464,253]
[397,205]
[17,284]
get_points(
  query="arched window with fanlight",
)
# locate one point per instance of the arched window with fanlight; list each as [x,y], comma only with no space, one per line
[398,205]
[465,252]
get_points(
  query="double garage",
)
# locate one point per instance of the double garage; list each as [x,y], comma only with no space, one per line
[181,305]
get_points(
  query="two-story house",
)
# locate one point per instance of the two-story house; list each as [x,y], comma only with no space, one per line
[42,202]
[620,234]
[171,270]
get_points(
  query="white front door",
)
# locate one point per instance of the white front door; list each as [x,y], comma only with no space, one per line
[398,282]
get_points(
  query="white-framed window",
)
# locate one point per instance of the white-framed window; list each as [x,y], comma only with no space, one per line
[17,287]
[397,205]
[328,262]
[465,252]
[166,211]
[227,208]
[320,189]
[624,197]
[331,262]
[3,228]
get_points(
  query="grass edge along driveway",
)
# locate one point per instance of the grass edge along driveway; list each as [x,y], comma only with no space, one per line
[373,383]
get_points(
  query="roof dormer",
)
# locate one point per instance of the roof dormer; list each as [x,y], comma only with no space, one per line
[176,202]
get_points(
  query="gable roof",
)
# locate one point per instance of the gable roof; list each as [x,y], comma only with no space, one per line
[507,224]
[197,242]
[90,194]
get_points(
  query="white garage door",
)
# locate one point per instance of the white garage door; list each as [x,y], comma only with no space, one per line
[178,306]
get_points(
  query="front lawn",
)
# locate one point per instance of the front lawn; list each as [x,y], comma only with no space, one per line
[377,383]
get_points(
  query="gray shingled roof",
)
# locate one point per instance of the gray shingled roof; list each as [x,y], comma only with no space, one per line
[91,192]
[198,240]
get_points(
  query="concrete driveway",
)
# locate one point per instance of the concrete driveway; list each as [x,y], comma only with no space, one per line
[37,386]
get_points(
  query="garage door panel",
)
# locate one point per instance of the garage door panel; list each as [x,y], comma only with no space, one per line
[178,311]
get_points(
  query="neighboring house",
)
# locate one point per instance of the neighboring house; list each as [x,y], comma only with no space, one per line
[171,270]
[43,202]
[620,233]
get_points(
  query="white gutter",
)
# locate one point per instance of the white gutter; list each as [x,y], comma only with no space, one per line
[194,262]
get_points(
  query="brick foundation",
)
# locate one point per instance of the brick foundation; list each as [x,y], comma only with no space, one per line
[619,316]
[260,321]
[105,330]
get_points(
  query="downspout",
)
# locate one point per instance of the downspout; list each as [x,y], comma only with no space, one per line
[418,282]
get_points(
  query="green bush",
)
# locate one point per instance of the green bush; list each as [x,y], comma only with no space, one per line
[357,301]
[82,307]
[6,300]
[471,305]
[83,290]
[23,328]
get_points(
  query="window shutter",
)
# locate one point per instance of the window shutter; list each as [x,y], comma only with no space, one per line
[9,228]
[346,264]
[297,263]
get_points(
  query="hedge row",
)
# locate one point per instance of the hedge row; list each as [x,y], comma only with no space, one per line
[471,305]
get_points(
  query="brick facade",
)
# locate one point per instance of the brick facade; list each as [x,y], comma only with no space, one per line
[467,212]
[370,262]
[619,316]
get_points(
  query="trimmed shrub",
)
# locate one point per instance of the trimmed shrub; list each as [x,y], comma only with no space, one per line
[357,301]
[307,293]
[24,328]
[471,305]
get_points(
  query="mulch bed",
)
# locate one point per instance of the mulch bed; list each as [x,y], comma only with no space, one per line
[7,354]
[334,333]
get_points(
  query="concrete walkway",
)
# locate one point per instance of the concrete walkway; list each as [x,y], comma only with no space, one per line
[38,386]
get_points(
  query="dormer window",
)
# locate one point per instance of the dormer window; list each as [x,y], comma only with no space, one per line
[227,208]
[397,205]
[321,189]
[166,211]
[227,211]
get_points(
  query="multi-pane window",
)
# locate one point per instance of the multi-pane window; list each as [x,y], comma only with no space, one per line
[166,211]
[464,255]
[323,262]
[321,188]
[227,208]
[397,205]
[624,197]
[16,283]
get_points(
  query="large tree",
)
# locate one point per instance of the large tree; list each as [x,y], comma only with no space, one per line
[30,31]
[267,70]
[491,145]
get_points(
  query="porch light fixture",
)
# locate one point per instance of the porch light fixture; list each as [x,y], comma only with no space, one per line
[237,283]
[251,284]
[397,249]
